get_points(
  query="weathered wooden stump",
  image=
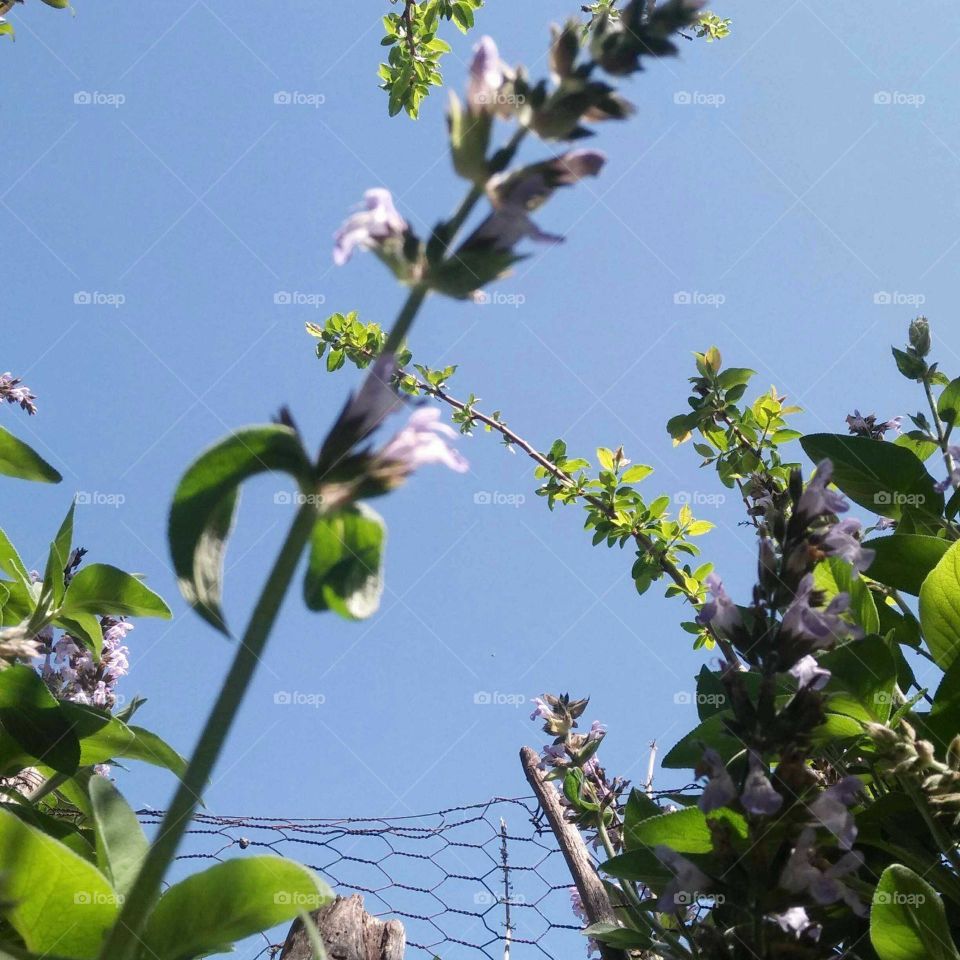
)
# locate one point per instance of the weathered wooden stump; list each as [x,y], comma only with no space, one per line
[349,933]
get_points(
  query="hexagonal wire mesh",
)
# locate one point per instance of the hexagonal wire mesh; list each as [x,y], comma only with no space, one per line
[466,882]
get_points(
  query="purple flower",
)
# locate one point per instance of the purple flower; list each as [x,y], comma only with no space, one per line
[688,883]
[817,500]
[831,809]
[843,540]
[823,885]
[553,754]
[758,794]
[542,710]
[422,442]
[486,76]
[720,790]
[576,904]
[885,523]
[721,612]
[515,194]
[13,391]
[867,426]
[820,627]
[796,921]
[597,731]
[808,673]
[369,227]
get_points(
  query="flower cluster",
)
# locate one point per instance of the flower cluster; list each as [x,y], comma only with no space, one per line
[13,391]
[71,673]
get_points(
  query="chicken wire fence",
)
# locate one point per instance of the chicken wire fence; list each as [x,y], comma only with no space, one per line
[467,882]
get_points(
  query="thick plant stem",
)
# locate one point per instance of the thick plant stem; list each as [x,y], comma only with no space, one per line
[123,942]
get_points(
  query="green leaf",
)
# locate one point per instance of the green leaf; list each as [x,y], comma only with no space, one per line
[636,473]
[863,677]
[20,461]
[232,900]
[948,404]
[639,808]
[687,830]
[918,443]
[121,843]
[834,575]
[85,627]
[605,457]
[907,919]
[641,866]
[621,938]
[102,589]
[11,563]
[879,476]
[940,608]
[203,507]
[103,738]
[58,902]
[345,571]
[904,560]
[711,733]
[33,718]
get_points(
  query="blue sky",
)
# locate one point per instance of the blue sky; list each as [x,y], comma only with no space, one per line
[806,198]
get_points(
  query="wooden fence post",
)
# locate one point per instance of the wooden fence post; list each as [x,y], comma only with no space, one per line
[349,933]
[596,903]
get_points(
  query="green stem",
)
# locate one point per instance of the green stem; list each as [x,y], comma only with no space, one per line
[947,846]
[941,433]
[451,228]
[123,942]
[404,321]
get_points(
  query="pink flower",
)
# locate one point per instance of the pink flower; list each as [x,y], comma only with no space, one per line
[367,228]
[422,441]
[486,75]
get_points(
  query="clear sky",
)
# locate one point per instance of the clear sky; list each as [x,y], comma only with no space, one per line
[813,172]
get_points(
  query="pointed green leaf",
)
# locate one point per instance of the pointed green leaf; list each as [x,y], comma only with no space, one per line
[53,898]
[203,506]
[230,901]
[23,462]
[904,560]
[940,608]
[879,476]
[102,589]
[121,843]
[345,572]
[907,919]
[31,716]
